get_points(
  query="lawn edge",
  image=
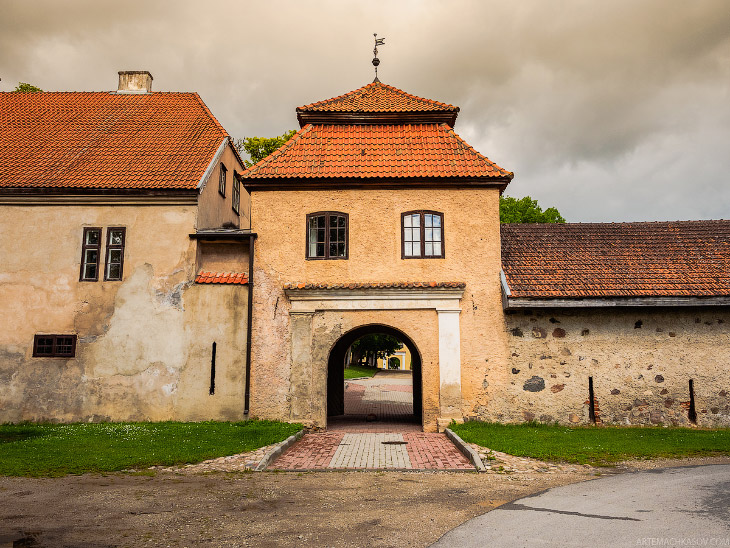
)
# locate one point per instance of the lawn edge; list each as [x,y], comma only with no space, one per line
[468,452]
[277,450]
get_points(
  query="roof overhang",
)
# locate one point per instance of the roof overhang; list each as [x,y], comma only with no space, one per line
[383,118]
[520,303]
[350,183]
[223,234]
[51,196]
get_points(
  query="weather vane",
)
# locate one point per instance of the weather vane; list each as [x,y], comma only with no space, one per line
[376,61]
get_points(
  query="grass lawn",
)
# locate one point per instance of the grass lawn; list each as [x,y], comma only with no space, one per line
[595,445]
[355,371]
[60,449]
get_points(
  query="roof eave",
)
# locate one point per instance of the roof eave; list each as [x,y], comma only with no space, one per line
[377,118]
[518,303]
[353,183]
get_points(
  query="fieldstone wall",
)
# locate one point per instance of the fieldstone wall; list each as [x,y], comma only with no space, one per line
[640,362]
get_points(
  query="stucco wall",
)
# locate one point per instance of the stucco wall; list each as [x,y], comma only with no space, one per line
[215,210]
[641,361]
[144,343]
[471,230]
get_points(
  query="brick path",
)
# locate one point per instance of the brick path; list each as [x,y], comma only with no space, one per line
[341,450]
[394,441]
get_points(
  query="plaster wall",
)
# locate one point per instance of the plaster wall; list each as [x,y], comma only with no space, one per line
[472,255]
[215,210]
[144,343]
[641,361]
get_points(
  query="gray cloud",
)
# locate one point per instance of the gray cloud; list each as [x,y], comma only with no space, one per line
[609,111]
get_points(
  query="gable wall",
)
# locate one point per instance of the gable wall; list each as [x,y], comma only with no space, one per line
[213,209]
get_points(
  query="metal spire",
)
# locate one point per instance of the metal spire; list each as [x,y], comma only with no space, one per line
[376,61]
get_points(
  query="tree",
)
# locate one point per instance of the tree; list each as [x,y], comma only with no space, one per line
[259,148]
[526,210]
[373,347]
[27,88]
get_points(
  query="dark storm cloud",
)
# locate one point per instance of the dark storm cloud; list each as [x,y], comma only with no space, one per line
[608,110]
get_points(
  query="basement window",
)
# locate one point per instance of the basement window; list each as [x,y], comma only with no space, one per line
[54,346]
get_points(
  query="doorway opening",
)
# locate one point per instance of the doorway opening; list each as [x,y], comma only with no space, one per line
[374,377]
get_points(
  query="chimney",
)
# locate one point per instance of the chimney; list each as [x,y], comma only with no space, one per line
[134,81]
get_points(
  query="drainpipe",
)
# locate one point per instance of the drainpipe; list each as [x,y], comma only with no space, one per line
[247,393]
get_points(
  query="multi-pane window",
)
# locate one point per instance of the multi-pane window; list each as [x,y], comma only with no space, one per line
[54,346]
[222,180]
[422,234]
[236,197]
[327,235]
[90,251]
[114,253]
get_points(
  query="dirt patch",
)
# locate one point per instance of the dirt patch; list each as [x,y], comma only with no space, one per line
[328,509]
[334,509]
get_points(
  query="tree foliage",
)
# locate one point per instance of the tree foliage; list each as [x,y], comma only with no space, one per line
[259,148]
[373,347]
[27,88]
[526,210]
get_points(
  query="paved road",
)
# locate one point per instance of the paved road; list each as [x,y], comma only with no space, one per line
[677,507]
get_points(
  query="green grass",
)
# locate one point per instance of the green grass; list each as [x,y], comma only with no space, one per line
[53,450]
[600,446]
[355,371]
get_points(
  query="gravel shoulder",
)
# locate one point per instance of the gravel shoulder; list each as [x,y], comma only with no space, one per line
[193,507]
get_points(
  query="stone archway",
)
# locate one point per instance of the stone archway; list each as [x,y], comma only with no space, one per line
[336,360]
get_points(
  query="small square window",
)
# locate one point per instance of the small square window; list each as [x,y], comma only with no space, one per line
[54,346]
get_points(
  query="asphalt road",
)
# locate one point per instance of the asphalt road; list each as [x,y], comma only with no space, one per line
[677,507]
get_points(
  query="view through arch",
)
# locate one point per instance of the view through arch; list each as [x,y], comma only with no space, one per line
[390,395]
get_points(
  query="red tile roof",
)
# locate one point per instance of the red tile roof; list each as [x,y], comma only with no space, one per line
[682,258]
[376,151]
[378,97]
[240,278]
[375,285]
[106,140]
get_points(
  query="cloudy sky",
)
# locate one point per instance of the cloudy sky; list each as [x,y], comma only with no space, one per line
[609,111]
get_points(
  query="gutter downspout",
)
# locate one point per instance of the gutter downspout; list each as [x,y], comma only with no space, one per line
[247,393]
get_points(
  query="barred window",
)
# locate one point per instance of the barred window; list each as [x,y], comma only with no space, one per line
[54,346]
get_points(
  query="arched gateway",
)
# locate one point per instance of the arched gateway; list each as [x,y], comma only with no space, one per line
[335,368]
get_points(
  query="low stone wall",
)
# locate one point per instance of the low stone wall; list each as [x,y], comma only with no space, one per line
[640,362]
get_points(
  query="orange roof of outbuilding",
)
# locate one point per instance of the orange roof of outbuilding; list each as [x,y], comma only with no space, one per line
[106,140]
[376,151]
[599,260]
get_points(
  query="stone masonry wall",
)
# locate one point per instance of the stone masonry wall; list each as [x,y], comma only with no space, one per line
[641,361]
